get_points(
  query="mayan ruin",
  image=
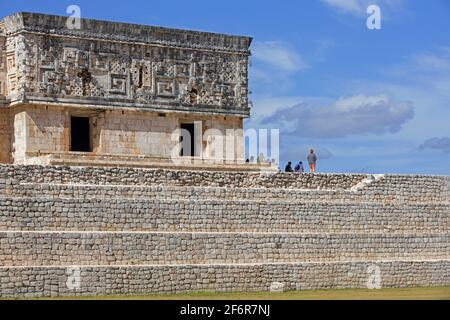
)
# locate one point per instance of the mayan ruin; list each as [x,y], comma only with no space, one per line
[118,90]
[123,172]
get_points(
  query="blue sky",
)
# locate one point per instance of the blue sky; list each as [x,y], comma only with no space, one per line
[367,100]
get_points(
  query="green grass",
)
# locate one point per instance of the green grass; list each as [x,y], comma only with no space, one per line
[437,293]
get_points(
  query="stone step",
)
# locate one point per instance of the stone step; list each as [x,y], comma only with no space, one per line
[128,248]
[48,281]
[219,216]
[192,192]
[146,162]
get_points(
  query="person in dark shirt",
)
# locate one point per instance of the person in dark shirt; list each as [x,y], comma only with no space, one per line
[288,167]
[312,160]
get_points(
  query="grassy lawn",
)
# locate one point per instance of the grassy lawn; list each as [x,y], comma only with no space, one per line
[438,293]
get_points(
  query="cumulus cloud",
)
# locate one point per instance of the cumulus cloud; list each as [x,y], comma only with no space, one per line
[354,115]
[442,144]
[278,55]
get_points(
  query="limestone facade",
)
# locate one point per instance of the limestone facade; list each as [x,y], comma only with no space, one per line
[45,131]
[135,86]
[5,136]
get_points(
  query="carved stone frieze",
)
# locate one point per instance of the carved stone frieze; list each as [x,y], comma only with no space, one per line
[43,61]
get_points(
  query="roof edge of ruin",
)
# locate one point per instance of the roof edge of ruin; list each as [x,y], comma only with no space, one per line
[126,32]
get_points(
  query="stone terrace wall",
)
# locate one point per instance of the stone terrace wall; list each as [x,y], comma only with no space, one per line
[119,248]
[141,231]
[130,176]
[129,182]
[43,214]
[133,280]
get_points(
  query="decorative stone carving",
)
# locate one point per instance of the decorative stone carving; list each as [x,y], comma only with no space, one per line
[174,69]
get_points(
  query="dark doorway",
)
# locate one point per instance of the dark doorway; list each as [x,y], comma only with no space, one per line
[80,134]
[187,149]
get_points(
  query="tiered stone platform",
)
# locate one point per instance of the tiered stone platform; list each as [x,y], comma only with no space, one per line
[142,231]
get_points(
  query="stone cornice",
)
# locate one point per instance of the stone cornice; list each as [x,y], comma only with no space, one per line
[109,104]
[126,32]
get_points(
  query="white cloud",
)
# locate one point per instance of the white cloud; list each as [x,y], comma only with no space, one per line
[350,6]
[359,7]
[435,62]
[432,61]
[278,55]
[267,105]
[422,78]
[354,115]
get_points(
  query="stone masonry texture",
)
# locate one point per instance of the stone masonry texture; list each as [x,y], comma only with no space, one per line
[142,231]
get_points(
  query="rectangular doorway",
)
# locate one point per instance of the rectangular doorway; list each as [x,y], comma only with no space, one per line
[80,137]
[187,139]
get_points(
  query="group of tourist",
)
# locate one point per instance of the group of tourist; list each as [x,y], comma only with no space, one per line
[312,159]
[261,159]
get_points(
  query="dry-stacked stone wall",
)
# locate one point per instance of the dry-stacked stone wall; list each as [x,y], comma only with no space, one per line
[85,231]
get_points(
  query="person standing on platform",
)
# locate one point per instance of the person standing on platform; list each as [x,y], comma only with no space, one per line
[312,160]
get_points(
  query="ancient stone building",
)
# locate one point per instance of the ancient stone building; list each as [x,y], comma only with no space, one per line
[120,93]
[112,95]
